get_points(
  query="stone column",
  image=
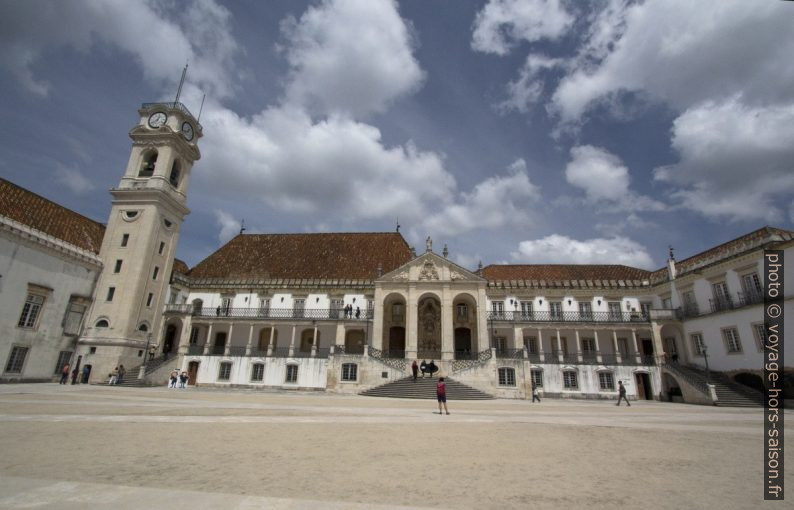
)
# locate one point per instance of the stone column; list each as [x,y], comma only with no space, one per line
[184,338]
[340,334]
[518,337]
[378,318]
[483,341]
[618,357]
[250,340]
[658,346]
[541,354]
[579,354]
[599,359]
[447,340]
[227,349]
[560,354]
[314,342]
[270,341]
[208,342]
[636,345]
[411,314]
[292,342]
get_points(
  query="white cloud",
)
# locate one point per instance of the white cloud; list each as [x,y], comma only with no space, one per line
[229,226]
[735,160]
[28,29]
[605,178]
[559,249]
[493,203]
[527,89]
[73,179]
[502,24]
[350,57]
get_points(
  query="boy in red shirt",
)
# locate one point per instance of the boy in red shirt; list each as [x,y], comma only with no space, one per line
[441,394]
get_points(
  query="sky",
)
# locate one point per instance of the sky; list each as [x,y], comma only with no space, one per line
[513,131]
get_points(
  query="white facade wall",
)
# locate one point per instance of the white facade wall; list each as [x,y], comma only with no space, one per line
[311,372]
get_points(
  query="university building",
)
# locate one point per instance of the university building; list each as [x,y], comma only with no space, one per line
[349,312]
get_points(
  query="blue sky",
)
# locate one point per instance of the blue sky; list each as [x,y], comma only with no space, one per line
[523,131]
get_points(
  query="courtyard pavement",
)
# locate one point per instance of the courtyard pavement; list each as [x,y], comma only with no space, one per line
[110,447]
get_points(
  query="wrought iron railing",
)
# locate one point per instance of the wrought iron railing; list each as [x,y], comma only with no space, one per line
[721,304]
[568,316]
[395,363]
[750,298]
[356,350]
[270,313]
[509,353]
[460,365]
[195,349]
[173,105]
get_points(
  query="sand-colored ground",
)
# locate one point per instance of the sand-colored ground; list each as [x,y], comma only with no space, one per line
[311,450]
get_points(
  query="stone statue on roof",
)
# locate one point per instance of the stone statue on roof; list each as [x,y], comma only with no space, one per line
[429,244]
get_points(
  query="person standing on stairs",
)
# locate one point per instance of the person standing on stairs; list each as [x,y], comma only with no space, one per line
[415,369]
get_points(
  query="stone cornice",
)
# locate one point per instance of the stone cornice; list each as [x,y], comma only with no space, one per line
[50,242]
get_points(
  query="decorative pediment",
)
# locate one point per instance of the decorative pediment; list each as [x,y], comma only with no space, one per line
[430,267]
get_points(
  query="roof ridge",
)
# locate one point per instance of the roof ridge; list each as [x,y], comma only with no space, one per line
[56,204]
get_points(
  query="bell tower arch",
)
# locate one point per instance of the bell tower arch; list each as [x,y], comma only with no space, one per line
[148,207]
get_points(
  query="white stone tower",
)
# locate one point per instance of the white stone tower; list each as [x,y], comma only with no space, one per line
[138,249]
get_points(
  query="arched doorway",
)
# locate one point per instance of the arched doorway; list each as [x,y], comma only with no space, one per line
[393,339]
[429,328]
[307,339]
[169,340]
[750,380]
[192,372]
[396,347]
[644,389]
[463,348]
[354,341]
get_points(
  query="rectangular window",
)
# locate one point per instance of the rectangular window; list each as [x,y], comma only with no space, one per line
[500,342]
[111,292]
[760,335]
[526,310]
[124,240]
[149,299]
[264,307]
[586,310]
[623,346]
[556,310]
[646,309]
[156,271]
[292,374]
[16,360]
[614,309]
[258,372]
[117,269]
[162,247]
[73,319]
[63,359]
[537,378]
[722,300]
[606,381]
[349,372]
[30,311]
[569,380]
[498,308]
[697,343]
[531,343]
[194,333]
[297,308]
[751,284]
[588,345]
[690,304]
[564,344]
[732,342]
[507,377]
[225,371]
[462,312]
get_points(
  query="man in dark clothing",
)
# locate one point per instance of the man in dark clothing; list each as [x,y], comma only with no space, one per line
[622,394]
[415,369]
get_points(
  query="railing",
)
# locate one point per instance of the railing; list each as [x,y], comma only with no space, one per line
[750,298]
[195,350]
[395,363]
[173,105]
[464,354]
[217,350]
[355,350]
[270,313]
[721,304]
[690,310]
[460,365]
[568,316]
[510,354]
[662,314]
[323,352]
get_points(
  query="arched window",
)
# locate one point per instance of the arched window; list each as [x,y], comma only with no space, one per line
[147,168]
[102,323]
[173,178]
[143,327]
[507,376]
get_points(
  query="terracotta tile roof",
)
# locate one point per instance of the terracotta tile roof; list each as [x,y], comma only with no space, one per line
[306,256]
[180,267]
[41,214]
[563,272]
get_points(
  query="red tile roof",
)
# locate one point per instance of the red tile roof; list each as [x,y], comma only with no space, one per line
[562,272]
[46,216]
[180,267]
[306,256]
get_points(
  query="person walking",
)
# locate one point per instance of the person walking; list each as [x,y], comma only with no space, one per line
[122,372]
[173,378]
[622,394]
[415,369]
[535,393]
[65,373]
[182,379]
[441,395]
[114,376]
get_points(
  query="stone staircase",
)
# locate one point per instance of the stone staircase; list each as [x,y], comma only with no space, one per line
[425,388]
[729,393]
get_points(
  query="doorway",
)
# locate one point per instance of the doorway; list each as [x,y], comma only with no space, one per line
[220,343]
[168,341]
[397,340]
[192,373]
[462,343]
[644,390]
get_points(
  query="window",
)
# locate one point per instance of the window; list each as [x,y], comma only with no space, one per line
[623,346]
[531,343]
[646,309]
[156,271]
[349,372]
[225,371]
[92,350]
[101,323]
[586,310]
[257,372]
[149,299]
[124,240]
[606,381]
[555,309]
[722,300]
[63,359]
[507,377]
[569,380]
[751,284]
[614,309]
[162,247]
[537,378]
[147,168]
[690,304]
[130,214]
[588,346]
[297,307]
[117,269]
[462,312]
[498,308]
[264,307]
[292,374]
[30,311]
[500,342]
[73,319]
[226,305]
[760,335]
[697,343]
[564,345]
[111,291]
[17,359]
[526,309]
[143,327]
[732,342]
[194,333]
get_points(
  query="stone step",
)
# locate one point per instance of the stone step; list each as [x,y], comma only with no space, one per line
[425,388]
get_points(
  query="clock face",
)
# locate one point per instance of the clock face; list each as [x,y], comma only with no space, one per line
[157,119]
[187,131]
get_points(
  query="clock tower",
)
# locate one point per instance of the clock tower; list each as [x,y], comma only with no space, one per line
[148,207]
